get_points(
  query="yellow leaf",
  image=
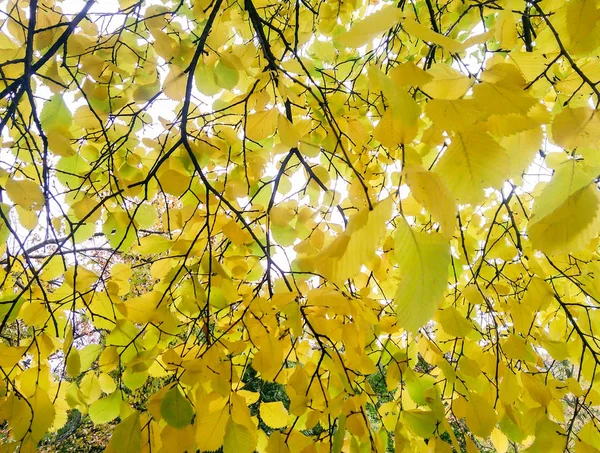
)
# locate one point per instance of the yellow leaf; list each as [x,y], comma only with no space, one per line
[343,258]
[73,363]
[582,23]
[409,74]
[288,134]
[18,413]
[274,414]
[107,384]
[173,182]
[269,357]
[423,261]
[140,309]
[566,216]
[447,83]
[471,447]
[238,438]
[43,414]
[109,359]
[28,218]
[281,216]
[236,234]
[549,437]
[415,29]
[506,29]
[522,148]
[83,209]
[517,348]
[570,228]
[473,161]
[399,124]
[90,388]
[175,83]
[502,100]
[261,125]
[10,356]
[429,190]
[454,323]
[480,416]
[277,443]
[499,440]
[127,435]
[210,428]
[574,127]
[366,30]
[25,193]
[453,115]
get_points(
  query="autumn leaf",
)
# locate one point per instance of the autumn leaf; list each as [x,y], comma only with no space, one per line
[423,260]
[299,226]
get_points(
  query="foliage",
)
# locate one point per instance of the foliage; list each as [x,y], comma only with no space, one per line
[304,226]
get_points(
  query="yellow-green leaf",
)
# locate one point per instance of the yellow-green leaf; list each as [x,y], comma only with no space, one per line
[106,409]
[238,438]
[127,435]
[473,161]
[423,261]
[55,115]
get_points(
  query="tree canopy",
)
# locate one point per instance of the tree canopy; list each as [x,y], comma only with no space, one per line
[301,225]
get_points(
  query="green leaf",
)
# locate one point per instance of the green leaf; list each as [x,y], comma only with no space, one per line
[205,79]
[176,409]
[422,423]
[226,76]
[340,433]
